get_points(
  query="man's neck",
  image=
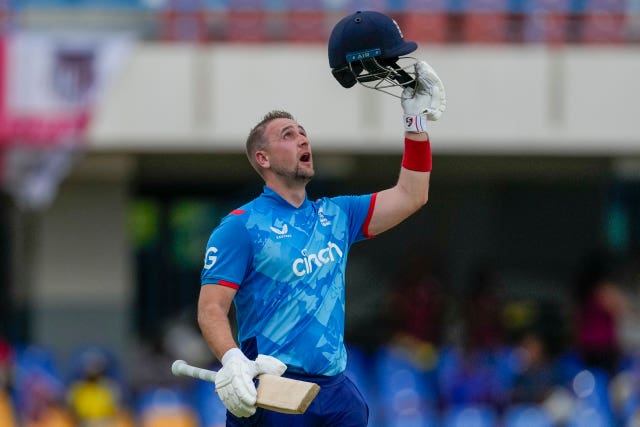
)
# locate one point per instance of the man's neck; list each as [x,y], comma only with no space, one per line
[294,194]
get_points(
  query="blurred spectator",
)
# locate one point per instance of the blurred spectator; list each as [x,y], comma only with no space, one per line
[535,379]
[7,416]
[38,390]
[418,301]
[599,306]
[152,366]
[44,404]
[474,371]
[482,308]
[95,397]
[6,361]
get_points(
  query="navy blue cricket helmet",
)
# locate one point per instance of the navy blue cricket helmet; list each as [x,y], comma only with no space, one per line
[365,47]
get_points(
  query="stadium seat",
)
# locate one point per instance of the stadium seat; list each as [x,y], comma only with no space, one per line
[586,416]
[407,395]
[485,28]
[354,5]
[246,26]
[358,370]
[303,5]
[208,405]
[434,6]
[424,27]
[593,405]
[164,407]
[603,28]
[486,6]
[526,415]
[7,415]
[548,6]
[307,26]
[469,416]
[605,6]
[569,364]
[549,28]
[246,5]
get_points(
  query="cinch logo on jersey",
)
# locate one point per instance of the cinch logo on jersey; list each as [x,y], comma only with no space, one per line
[210,257]
[302,266]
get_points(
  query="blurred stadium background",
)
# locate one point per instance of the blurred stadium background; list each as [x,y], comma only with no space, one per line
[511,300]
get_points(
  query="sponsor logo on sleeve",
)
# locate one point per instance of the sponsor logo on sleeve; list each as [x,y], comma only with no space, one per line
[323,219]
[210,257]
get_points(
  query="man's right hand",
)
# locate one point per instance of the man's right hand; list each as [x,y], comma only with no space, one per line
[234,381]
[427,101]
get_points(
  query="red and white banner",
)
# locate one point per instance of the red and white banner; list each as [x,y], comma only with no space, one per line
[49,85]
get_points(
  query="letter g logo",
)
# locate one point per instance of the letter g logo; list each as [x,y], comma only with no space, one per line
[210,257]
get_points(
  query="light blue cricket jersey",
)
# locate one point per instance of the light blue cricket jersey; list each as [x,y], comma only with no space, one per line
[288,265]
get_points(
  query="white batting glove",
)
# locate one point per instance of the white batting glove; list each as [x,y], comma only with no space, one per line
[269,365]
[426,102]
[234,381]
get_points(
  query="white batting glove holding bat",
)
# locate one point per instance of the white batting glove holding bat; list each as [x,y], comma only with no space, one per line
[234,381]
[427,101]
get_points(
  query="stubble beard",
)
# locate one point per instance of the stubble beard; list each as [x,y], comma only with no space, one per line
[298,175]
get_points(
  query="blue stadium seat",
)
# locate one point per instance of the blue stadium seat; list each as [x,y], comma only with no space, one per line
[433,6]
[486,6]
[407,395]
[548,6]
[165,407]
[586,416]
[359,366]
[605,6]
[82,358]
[366,5]
[469,416]
[208,405]
[359,370]
[526,416]
[35,375]
[304,5]
[468,378]
[593,406]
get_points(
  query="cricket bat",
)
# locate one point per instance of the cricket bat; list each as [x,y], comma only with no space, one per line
[274,393]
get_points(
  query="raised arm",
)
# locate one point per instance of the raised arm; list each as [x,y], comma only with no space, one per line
[426,102]
[410,193]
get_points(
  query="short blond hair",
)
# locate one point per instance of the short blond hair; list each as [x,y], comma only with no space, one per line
[256,140]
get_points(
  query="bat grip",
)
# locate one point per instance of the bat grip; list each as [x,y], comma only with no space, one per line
[181,368]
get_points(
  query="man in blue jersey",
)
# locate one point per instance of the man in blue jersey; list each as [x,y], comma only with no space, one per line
[281,259]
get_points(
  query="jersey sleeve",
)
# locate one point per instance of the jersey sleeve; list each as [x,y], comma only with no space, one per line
[227,255]
[359,210]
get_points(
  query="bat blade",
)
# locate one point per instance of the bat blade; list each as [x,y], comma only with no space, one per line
[285,394]
[275,393]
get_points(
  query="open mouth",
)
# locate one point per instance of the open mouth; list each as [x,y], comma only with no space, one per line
[306,157]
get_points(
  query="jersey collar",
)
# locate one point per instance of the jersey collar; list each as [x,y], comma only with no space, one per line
[271,194]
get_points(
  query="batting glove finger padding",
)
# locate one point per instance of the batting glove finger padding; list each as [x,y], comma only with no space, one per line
[234,383]
[426,102]
[269,365]
[429,82]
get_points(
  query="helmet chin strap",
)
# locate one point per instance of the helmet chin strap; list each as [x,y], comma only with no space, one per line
[384,75]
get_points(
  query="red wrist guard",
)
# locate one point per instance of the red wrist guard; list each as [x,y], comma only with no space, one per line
[417,155]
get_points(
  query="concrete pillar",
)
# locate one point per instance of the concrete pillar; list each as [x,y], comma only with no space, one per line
[82,280]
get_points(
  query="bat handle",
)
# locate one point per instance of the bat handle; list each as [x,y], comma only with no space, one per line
[182,368]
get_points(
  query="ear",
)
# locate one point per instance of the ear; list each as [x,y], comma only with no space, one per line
[262,159]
